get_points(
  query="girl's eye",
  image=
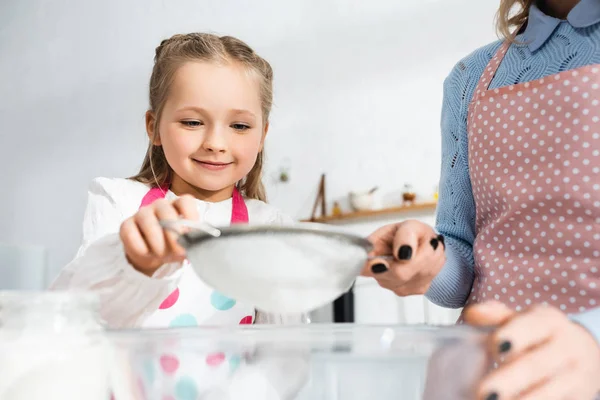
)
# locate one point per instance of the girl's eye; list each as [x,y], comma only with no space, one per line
[240,127]
[191,123]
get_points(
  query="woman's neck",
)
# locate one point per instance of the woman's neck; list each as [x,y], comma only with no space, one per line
[181,187]
[557,8]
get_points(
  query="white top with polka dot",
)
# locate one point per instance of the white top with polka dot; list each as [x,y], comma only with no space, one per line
[128,297]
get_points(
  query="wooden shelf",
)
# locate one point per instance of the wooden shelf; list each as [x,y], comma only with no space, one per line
[375,213]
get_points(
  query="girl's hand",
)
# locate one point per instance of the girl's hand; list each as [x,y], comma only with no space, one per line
[147,245]
[417,256]
[542,355]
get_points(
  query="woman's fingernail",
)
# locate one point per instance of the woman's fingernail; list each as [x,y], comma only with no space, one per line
[405,253]
[379,268]
[492,396]
[434,243]
[441,240]
[505,347]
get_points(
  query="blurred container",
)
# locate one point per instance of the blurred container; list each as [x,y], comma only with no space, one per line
[313,362]
[52,346]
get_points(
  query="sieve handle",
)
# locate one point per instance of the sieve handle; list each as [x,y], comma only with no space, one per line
[176,225]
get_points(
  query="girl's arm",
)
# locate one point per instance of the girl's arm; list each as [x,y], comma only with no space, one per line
[127,295]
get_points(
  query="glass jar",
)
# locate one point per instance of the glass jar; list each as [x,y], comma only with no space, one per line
[52,346]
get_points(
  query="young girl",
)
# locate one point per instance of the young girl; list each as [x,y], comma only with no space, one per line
[210,99]
[519,212]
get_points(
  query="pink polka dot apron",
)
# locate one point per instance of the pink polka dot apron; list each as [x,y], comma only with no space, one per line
[534,161]
[193,303]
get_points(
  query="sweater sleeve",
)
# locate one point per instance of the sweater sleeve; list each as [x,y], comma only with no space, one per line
[591,321]
[456,207]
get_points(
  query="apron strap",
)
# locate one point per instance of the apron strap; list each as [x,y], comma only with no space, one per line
[239,210]
[486,79]
[154,194]
[490,71]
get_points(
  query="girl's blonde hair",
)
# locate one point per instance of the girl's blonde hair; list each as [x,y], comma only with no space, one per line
[170,55]
[512,14]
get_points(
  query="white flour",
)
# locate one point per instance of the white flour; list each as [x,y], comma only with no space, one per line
[279,272]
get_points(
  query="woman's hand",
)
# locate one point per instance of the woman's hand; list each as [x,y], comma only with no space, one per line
[542,355]
[406,257]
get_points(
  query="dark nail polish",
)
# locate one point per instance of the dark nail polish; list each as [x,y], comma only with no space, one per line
[492,396]
[441,240]
[504,347]
[379,268]
[405,253]
[434,243]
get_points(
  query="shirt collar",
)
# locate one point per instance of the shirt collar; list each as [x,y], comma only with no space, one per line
[541,26]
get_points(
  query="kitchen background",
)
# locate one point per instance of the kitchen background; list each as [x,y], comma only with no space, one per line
[358,92]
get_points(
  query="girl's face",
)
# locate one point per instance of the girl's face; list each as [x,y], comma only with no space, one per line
[211,128]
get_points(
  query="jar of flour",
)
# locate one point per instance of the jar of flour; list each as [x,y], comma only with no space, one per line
[52,346]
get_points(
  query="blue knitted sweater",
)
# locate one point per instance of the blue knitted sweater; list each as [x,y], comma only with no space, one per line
[556,48]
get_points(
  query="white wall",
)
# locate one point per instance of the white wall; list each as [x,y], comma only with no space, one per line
[358,95]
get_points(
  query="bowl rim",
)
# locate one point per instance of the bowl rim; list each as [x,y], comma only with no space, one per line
[291,333]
